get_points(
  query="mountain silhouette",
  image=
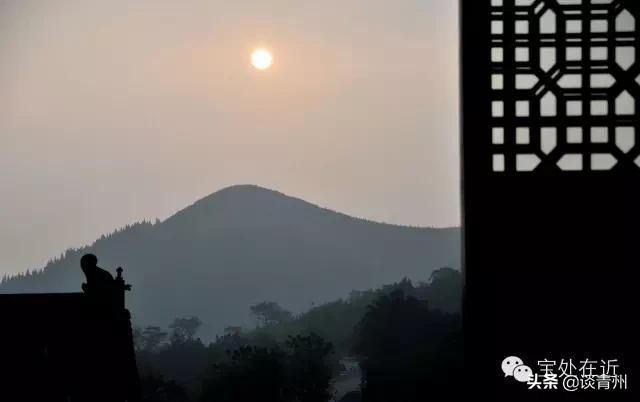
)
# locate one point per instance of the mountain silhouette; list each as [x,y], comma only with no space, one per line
[246,244]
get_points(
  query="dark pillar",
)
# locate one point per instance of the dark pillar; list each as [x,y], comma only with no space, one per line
[551,190]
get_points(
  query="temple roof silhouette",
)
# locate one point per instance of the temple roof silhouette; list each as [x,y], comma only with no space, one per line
[68,346]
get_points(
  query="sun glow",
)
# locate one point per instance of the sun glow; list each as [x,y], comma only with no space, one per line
[261,59]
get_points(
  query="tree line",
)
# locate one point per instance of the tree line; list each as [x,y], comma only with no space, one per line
[406,338]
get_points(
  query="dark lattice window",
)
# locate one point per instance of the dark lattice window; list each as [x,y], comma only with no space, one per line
[564,81]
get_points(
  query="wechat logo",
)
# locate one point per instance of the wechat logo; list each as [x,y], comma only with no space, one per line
[513,366]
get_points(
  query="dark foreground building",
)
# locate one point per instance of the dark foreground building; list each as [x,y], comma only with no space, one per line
[68,346]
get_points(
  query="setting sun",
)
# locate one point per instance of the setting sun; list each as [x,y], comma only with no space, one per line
[261,59]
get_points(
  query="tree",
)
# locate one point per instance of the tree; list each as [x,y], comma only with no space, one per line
[262,338]
[229,343]
[152,337]
[408,352]
[233,330]
[310,368]
[445,290]
[184,329]
[156,389]
[270,313]
[299,372]
[253,374]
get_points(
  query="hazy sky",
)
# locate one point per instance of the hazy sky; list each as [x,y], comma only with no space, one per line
[116,111]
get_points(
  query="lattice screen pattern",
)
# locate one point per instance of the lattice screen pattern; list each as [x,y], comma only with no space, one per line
[565,81]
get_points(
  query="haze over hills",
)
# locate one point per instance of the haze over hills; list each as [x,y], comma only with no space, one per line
[246,244]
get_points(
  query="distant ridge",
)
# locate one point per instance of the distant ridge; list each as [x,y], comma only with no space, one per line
[254,193]
[245,244]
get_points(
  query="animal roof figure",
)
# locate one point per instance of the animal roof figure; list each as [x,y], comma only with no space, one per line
[98,280]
